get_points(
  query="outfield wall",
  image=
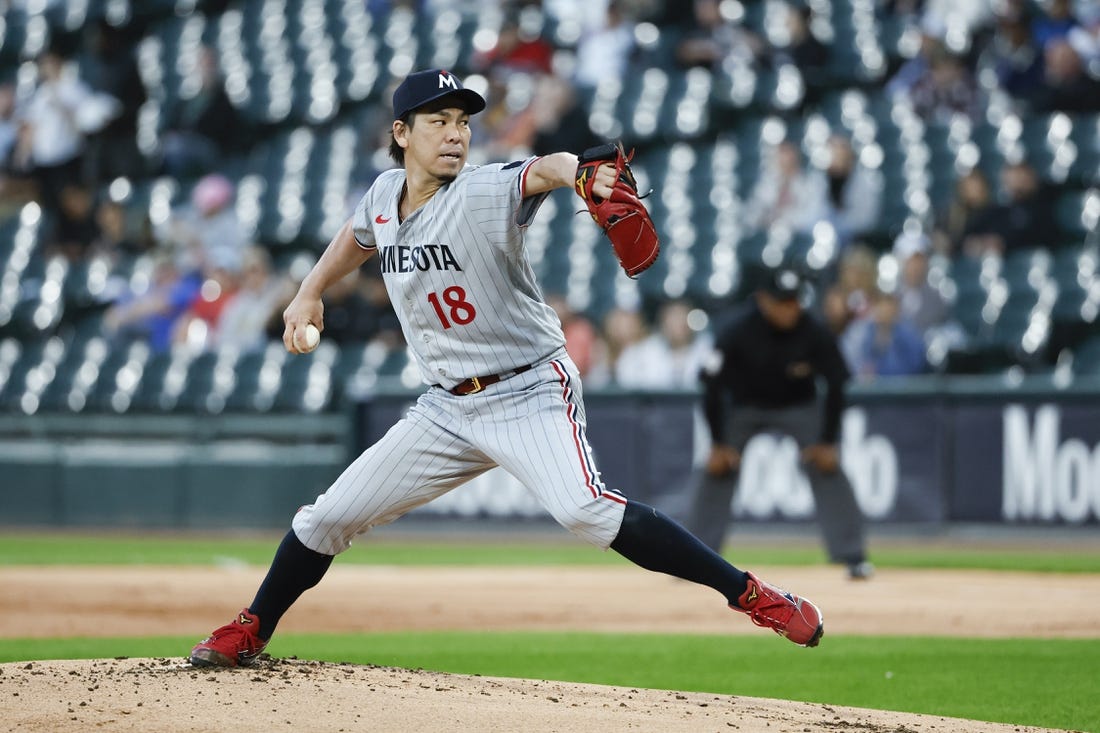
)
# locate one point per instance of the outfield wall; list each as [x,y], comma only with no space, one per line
[922,452]
[926,451]
[165,471]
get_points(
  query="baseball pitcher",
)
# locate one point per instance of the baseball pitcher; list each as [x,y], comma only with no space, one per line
[501,390]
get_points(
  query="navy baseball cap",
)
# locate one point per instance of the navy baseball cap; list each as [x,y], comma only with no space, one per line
[785,284]
[423,87]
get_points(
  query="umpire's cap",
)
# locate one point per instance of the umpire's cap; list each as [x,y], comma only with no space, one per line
[422,87]
[785,284]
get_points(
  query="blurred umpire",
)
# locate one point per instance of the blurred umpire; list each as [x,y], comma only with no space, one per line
[762,379]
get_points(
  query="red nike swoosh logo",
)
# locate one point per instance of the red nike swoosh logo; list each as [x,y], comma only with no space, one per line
[380,219]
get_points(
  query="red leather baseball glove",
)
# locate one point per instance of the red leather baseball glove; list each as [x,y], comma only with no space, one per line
[622,216]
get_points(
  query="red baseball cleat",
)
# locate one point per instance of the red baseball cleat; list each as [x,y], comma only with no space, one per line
[784,613]
[231,645]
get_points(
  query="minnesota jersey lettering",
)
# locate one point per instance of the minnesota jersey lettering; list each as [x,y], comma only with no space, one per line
[403,258]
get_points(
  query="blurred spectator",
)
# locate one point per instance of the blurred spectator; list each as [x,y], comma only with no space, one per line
[349,317]
[669,359]
[16,187]
[884,344]
[201,128]
[712,40]
[946,89]
[507,126]
[804,50]
[243,321]
[967,212]
[969,17]
[207,230]
[75,228]
[533,113]
[1024,218]
[849,297]
[786,195]
[197,325]
[920,305]
[1068,87]
[9,126]
[582,340]
[1054,21]
[835,311]
[387,327]
[1012,56]
[518,48]
[853,192]
[1085,38]
[111,69]
[379,9]
[913,70]
[151,314]
[560,120]
[604,50]
[116,238]
[901,7]
[622,327]
[56,118]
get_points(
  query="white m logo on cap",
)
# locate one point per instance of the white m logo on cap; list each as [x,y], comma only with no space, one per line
[446,80]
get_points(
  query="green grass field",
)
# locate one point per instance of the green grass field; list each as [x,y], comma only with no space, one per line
[66,549]
[1046,682]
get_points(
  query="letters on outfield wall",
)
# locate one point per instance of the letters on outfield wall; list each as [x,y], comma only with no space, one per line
[773,485]
[928,461]
[1047,466]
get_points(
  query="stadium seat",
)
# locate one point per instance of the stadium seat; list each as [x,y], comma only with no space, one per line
[20,356]
[1077,213]
[1085,137]
[117,378]
[14,37]
[151,394]
[686,112]
[1086,357]
[247,371]
[1075,310]
[972,360]
[306,384]
[198,387]
[1026,269]
[74,376]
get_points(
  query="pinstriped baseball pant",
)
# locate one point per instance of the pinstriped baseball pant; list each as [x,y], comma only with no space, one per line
[532,425]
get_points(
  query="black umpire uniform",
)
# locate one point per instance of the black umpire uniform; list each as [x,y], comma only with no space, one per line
[768,361]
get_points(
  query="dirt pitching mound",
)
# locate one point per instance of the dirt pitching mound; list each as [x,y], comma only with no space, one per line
[170,696]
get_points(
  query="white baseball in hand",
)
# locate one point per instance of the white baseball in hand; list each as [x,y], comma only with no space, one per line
[312,337]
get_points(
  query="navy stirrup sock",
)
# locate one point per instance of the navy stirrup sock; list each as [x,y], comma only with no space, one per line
[295,569]
[653,541]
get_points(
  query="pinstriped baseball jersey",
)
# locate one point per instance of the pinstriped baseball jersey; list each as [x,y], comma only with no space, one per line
[459,279]
[457,273]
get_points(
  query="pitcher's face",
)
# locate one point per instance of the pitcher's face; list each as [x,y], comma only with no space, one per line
[436,141]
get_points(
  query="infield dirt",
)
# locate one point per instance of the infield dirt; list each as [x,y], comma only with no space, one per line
[166,695]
